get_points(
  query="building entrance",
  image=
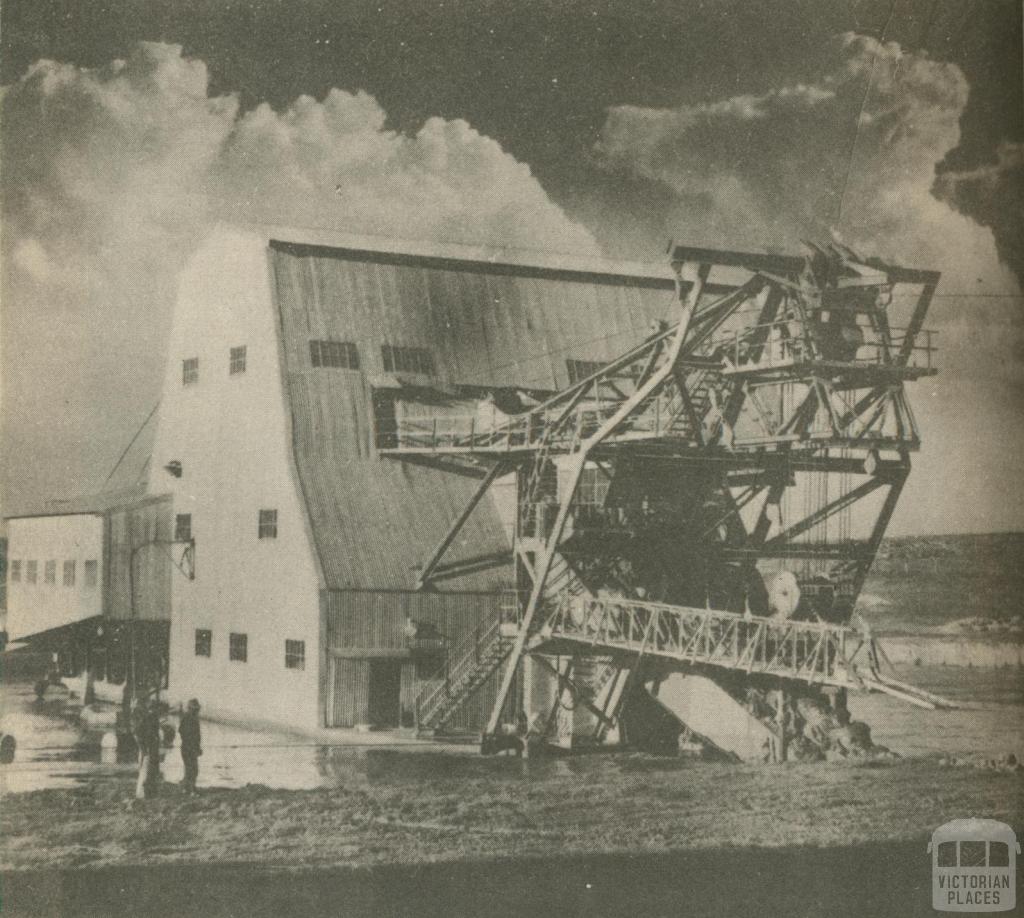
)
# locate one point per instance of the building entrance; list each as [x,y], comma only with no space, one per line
[385,684]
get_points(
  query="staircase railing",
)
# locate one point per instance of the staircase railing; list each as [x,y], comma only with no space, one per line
[470,653]
[810,651]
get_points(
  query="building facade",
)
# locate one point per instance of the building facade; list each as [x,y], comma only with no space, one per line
[289,357]
[92,588]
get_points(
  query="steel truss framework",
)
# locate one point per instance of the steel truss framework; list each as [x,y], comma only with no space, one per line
[795,372]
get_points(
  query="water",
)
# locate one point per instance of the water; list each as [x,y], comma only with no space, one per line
[990,725]
[56,749]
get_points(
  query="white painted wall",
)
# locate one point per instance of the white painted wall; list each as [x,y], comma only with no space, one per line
[35,607]
[232,435]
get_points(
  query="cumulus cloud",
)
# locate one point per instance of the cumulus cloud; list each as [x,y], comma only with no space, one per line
[113,175]
[106,168]
[854,153]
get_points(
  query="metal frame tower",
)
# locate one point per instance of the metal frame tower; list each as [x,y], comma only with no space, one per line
[711,499]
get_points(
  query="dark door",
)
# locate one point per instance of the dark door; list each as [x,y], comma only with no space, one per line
[385,684]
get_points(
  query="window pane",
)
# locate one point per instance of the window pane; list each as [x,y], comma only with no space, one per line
[50,574]
[972,854]
[190,371]
[91,573]
[407,359]
[947,854]
[69,573]
[268,524]
[237,364]
[295,654]
[998,854]
[581,369]
[15,571]
[31,571]
[183,527]
[341,354]
[204,642]
[238,647]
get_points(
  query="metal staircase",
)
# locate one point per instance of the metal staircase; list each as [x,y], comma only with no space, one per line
[475,660]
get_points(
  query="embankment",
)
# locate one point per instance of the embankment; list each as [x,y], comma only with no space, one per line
[952,650]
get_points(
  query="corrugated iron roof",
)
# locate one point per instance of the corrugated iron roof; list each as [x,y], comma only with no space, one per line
[375,518]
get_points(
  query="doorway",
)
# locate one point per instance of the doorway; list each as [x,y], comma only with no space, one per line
[385,689]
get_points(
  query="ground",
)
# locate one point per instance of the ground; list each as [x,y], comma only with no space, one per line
[476,808]
[421,831]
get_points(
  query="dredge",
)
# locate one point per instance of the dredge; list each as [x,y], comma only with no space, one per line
[695,519]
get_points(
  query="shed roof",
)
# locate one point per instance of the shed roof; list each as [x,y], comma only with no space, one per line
[486,322]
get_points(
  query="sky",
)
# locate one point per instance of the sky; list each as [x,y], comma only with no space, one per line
[129,129]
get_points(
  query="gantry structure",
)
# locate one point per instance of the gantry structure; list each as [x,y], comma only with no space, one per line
[710,500]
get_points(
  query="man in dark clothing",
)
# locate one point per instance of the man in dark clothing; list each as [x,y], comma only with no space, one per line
[191,745]
[146,727]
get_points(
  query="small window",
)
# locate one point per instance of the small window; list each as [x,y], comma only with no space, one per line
[340,354]
[31,571]
[593,488]
[204,642]
[183,527]
[50,572]
[972,853]
[407,359]
[190,371]
[15,572]
[237,364]
[998,854]
[581,369]
[69,573]
[92,573]
[295,654]
[268,524]
[238,647]
[947,854]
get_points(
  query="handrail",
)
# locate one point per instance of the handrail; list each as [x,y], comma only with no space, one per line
[512,433]
[429,700]
[809,651]
[801,341]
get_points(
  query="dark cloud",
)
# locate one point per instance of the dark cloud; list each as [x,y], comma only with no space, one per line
[993,195]
[853,151]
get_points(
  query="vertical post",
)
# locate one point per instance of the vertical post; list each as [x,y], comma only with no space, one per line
[132,682]
[582,445]
[780,720]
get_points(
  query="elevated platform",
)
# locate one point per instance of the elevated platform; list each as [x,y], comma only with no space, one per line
[816,653]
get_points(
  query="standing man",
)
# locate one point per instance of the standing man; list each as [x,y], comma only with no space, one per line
[146,727]
[191,745]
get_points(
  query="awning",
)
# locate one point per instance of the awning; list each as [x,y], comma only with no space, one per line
[61,634]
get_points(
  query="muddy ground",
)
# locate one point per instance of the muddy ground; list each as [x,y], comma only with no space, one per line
[859,881]
[480,808]
[602,835]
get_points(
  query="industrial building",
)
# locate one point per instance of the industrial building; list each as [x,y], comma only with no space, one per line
[448,490]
